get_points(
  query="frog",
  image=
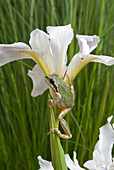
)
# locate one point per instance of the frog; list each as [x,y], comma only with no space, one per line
[64,98]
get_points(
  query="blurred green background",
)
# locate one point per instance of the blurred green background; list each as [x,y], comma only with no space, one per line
[24,119]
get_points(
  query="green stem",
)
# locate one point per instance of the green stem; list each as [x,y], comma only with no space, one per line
[57,153]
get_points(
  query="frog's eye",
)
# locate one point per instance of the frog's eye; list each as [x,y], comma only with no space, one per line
[52,82]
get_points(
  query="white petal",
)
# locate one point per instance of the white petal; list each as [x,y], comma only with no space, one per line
[90,164]
[40,44]
[39,84]
[113,125]
[87,43]
[99,158]
[102,152]
[70,164]
[74,158]
[76,65]
[10,52]
[110,118]
[103,59]
[60,38]
[45,61]
[45,165]
[39,40]
[79,61]
[102,157]
[104,146]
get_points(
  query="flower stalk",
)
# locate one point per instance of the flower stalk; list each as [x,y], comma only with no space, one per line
[57,153]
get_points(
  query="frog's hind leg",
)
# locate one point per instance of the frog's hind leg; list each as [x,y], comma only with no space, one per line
[64,125]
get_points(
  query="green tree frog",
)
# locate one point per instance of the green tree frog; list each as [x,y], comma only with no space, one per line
[64,97]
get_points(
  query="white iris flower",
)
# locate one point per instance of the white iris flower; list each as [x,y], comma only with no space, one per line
[102,155]
[49,51]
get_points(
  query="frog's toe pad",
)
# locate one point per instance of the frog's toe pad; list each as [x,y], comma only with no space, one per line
[50,103]
[54,130]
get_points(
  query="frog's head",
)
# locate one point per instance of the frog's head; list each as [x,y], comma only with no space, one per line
[52,80]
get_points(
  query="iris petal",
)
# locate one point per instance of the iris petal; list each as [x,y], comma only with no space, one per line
[44,165]
[39,40]
[72,165]
[81,59]
[60,38]
[77,64]
[91,42]
[39,84]
[11,52]
[102,152]
[103,59]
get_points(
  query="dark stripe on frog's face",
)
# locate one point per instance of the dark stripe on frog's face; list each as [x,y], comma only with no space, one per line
[50,81]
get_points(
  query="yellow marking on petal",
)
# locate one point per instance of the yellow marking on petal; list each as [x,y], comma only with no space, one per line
[61,65]
[38,61]
[81,66]
[72,74]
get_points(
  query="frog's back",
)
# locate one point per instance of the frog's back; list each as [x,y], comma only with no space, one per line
[66,94]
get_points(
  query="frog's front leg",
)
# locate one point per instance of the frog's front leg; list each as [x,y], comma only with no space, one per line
[64,125]
[52,102]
